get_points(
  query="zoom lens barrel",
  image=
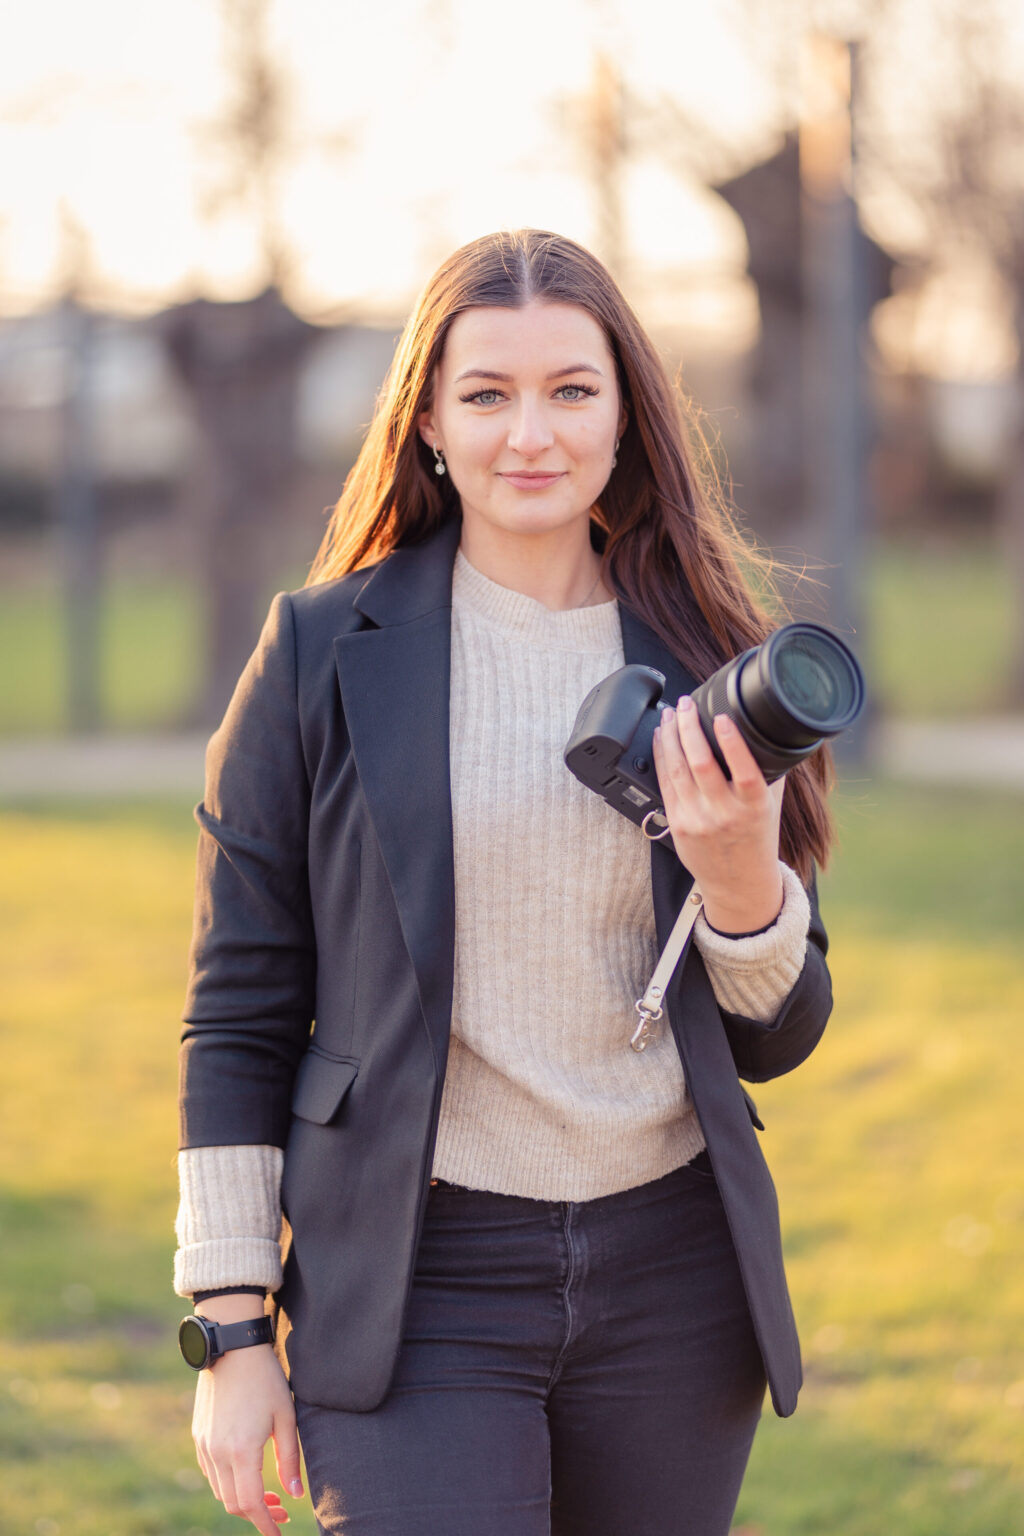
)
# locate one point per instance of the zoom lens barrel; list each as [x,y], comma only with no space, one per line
[800,687]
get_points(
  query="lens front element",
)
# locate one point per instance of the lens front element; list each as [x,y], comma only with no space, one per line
[813,678]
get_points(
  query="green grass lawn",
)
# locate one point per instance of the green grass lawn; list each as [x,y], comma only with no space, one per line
[937,643]
[896,1149]
[150,652]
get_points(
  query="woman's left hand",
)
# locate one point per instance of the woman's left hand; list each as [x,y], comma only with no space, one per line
[725,831]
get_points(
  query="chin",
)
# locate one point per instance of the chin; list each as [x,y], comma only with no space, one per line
[538,518]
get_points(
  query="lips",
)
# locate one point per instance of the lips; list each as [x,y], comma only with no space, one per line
[531,480]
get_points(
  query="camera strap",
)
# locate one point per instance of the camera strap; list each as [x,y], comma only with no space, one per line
[649,1006]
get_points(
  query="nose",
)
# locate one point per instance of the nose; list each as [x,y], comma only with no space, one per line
[530,432]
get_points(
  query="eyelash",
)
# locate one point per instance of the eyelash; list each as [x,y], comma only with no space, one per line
[584,389]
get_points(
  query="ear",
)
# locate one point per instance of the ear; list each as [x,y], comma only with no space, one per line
[426,428]
[623,419]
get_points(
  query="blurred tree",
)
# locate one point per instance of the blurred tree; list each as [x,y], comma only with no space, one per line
[767,198]
[241,362]
[604,144]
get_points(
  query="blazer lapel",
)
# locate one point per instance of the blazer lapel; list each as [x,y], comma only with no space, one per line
[394,681]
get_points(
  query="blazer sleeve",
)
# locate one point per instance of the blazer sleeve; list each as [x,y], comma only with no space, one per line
[252,965]
[763,1051]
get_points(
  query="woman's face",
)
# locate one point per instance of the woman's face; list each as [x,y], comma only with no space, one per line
[527,410]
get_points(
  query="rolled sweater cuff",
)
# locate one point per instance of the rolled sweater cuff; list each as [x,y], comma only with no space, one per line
[229,1218]
[753,976]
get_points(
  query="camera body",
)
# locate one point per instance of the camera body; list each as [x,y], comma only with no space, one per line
[611,749]
[800,687]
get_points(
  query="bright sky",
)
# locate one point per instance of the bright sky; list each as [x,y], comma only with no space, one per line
[416,125]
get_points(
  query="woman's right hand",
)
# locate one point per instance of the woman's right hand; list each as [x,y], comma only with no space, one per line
[242,1401]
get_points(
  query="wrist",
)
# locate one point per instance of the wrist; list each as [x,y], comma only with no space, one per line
[753,910]
[234,1307]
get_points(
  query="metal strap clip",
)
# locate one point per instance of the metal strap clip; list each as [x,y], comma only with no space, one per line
[649,1007]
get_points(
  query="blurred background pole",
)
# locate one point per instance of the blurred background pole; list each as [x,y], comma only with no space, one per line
[606,147]
[78,520]
[835,437]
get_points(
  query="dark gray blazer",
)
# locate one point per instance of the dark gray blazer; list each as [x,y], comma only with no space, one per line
[325,891]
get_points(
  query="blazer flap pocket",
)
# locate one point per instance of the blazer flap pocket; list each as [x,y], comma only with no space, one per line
[321,1083]
[755,1118]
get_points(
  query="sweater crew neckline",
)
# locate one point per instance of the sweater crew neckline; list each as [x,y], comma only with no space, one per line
[591,629]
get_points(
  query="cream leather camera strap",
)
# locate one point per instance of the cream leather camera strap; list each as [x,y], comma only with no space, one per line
[650,1007]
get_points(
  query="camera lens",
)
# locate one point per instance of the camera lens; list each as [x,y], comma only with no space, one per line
[801,685]
[814,679]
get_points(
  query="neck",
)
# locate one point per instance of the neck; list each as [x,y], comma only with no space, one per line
[560,569]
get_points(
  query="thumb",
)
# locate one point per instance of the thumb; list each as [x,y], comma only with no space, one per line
[286,1452]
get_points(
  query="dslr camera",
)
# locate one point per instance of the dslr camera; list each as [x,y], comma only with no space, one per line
[798,688]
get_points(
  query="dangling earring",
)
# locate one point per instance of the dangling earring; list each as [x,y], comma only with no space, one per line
[439,465]
[615,452]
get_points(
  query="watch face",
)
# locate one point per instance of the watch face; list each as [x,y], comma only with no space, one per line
[194,1344]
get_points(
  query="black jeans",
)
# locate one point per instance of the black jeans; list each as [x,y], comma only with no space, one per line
[583,1369]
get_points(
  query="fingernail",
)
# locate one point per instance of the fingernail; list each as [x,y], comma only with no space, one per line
[723,723]
[295,1487]
[685,703]
[666,713]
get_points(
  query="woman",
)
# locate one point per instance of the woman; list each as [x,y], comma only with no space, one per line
[533,1279]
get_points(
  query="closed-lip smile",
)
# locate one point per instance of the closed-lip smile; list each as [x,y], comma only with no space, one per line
[536,477]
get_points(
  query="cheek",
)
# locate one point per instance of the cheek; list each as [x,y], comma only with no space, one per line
[475,446]
[594,442]
[597,433]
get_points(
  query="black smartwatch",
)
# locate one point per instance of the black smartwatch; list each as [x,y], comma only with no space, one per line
[202,1342]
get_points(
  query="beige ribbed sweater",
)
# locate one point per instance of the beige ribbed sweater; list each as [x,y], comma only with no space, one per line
[554,942]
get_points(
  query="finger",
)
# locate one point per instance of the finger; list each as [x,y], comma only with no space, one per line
[674,776]
[706,772]
[208,1470]
[275,1510]
[249,1497]
[747,778]
[286,1452]
[223,1484]
[208,1462]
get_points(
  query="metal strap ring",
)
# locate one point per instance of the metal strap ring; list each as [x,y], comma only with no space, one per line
[654,837]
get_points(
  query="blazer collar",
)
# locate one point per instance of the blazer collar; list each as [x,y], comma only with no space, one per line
[414,580]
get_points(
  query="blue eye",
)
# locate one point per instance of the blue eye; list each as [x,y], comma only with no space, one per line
[482,397]
[576,392]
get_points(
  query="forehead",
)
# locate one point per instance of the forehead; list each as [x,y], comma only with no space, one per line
[511,341]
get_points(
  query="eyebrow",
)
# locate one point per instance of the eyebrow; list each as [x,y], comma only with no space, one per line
[506,378]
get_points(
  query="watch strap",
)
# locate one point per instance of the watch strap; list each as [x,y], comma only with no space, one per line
[225,1336]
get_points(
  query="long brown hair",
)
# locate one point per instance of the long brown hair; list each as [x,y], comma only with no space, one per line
[672,551]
